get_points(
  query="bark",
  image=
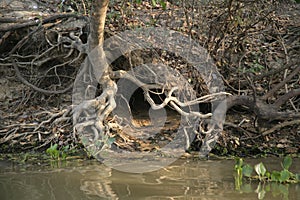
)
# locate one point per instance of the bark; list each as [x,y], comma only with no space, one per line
[98,16]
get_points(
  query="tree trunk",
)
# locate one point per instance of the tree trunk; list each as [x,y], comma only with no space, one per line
[105,103]
[98,16]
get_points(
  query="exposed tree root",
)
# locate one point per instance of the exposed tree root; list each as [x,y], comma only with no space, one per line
[46,51]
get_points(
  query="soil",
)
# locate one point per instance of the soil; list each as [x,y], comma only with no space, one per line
[31,120]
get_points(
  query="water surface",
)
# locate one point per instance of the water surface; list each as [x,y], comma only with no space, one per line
[185,179]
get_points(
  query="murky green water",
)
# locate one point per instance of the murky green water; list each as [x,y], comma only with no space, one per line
[185,179]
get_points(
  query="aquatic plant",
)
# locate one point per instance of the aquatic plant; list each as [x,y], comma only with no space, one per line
[56,153]
[283,176]
[274,182]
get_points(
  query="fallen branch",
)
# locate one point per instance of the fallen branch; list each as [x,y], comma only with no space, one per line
[280,126]
[37,21]
[23,80]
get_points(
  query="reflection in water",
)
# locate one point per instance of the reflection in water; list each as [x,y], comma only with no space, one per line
[183,180]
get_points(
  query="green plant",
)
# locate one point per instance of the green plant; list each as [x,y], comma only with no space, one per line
[56,154]
[273,182]
[53,152]
[93,148]
[283,176]
[64,152]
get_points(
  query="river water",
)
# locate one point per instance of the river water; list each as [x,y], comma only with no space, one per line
[184,179]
